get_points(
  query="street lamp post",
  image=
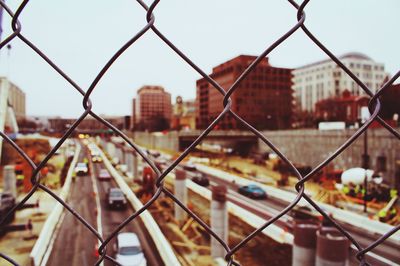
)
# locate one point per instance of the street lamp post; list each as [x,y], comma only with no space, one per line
[365,165]
[365,157]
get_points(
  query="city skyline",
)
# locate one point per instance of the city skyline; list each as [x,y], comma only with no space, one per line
[69,41]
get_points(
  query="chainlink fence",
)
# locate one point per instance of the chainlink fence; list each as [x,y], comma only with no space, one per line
[374,106]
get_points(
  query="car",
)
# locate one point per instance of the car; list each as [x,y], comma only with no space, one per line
[309,213]
[201,180]
[189,167]
[7,202]
[97,159]
[116,198]
[128,250]
[253,191]
[104,175]
[81,169]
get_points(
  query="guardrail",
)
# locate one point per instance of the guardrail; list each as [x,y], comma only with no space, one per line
[42,243]
[273,231]
[341,215]
[163,246]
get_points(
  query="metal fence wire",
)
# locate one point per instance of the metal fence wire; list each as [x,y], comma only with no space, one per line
[374,107]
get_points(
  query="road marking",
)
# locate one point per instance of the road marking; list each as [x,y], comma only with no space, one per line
[98,206]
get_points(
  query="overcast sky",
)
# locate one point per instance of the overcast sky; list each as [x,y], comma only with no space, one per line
[81,35]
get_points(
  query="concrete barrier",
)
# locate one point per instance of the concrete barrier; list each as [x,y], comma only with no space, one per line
[272,231]
[362,222]
[163,246]
[42,243]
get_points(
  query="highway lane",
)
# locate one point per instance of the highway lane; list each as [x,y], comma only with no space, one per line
[74,243]
[112,218]
[270,207]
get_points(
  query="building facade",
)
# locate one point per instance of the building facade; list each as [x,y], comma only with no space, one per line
[89,124]
[324,79]
[346,108]
[264,98]
[390,103]
[16,97]
[153,109]
[184,114]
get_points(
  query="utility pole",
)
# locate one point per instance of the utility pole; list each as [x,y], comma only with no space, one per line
[365,115]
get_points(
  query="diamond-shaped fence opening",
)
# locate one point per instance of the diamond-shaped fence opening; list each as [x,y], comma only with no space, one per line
[374,106]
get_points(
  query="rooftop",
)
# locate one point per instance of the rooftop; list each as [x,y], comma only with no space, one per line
[354,55]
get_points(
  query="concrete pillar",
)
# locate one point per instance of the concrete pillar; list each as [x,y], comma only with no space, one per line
[332,247]
[103,143]
[120,154]
[304,244]
[9,180]
[111,149]
[219,220]
[129,161]
[135,165]
[180,194]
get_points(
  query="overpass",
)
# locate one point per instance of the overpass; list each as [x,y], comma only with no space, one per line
[241,141]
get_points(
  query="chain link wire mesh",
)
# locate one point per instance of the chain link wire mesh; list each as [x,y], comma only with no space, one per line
[374,107]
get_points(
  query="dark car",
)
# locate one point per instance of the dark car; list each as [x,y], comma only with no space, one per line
[116,198]
[189,167]
[104,175]
[253,191]
[308,213]
[7,202]
[201,180]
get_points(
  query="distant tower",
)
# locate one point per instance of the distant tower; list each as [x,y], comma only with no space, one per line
[178,107]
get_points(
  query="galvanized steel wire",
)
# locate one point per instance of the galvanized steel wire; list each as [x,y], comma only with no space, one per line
[374,106]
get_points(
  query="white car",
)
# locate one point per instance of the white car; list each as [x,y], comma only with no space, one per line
[81,169]
[129,251]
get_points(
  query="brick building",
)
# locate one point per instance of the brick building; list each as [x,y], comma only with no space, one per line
[152,109]
[346,108]
[390,103]
[264,98]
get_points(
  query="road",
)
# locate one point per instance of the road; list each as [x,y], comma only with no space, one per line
[112,218]
[384,254]
[74,244]
[270,207]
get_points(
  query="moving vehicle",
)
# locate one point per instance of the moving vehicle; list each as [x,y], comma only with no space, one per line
[104,175]
[253,191]
[128,250]
[201,180]
[7,202]
[81,169]
[310,214]
[97,159]
[116,198]
[189,167]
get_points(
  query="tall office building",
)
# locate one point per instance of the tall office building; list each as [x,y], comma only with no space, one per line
[324,79]
[264,98]
[153,109]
